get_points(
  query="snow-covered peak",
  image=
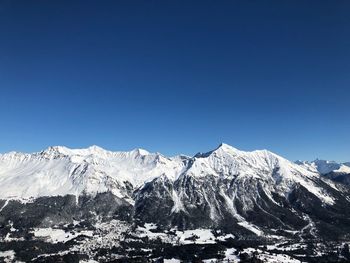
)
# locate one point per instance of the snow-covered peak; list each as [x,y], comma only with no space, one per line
[54,151]
[227,160]
[139,151]
[226,148]
[276,172]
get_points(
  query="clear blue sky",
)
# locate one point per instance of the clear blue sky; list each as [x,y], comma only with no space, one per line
[176,76]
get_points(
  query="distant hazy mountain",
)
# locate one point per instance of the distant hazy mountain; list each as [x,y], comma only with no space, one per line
[339,172]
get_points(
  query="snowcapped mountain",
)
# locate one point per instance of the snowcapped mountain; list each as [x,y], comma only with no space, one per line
[61,171]
[254,195]
[277,172]
[253,191]
[225,184]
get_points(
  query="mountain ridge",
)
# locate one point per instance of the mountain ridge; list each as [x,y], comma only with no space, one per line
[59,170]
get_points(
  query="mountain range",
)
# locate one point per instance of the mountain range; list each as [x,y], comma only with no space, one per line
[254,195]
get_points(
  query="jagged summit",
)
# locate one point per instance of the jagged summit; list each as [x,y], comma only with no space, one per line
[140,151]
[222,148]
[226,147]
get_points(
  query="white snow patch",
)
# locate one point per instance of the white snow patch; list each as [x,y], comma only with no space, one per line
[59,235]
[251,228]
[8,255]
[199,236]
[172,260]
[271,258]
[231,256]
[178,205]
[223,238]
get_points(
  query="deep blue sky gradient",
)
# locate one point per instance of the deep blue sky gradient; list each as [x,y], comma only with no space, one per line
[176,76]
